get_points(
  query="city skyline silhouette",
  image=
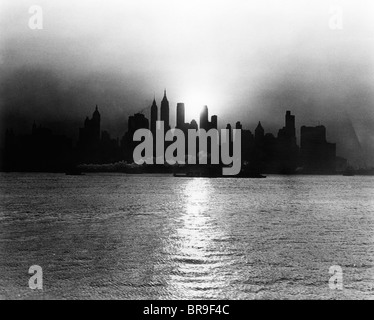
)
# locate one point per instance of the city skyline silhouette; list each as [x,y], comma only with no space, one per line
[260,150]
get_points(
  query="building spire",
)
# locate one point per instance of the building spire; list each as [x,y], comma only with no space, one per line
[96,112]
[154,101]
[164,98]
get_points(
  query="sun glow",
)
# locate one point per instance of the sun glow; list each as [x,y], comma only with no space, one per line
[194,103]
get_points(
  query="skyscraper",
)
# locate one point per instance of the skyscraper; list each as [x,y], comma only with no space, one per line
[290,125]
[96,124]
[287,150]
[259,133]
[214,122]
[137,121]
[154,117]
[317,155]
[288,132]
[180,116]
[204,118]
[89,135]
[165,112]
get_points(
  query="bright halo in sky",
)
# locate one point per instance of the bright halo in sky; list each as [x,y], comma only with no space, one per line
[194,103]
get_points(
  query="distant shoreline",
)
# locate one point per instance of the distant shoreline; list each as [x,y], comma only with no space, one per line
[171,174]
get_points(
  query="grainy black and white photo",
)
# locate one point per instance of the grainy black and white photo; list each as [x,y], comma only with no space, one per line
[182,150]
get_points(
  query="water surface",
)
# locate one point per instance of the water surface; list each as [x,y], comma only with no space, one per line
[117,236]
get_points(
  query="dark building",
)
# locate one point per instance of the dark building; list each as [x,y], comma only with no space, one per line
[135,122]
[165,112]
[180,117]
[317,155]
[287,150]
[258,152]
[214,123]
[109,148]
[181,124]
[288,132]
[193,125]
[204,122]
[270,155]
[39,151]
[204,118]
[154,117]
[274,155]
[259,133]
[95,146]
[247,142]
[89,135]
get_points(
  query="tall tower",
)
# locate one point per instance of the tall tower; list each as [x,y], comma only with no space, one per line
[290,125]
[96,124]
[180,116]
[165,111]
[204,118]
[259,132]
[214,122]
[154,116]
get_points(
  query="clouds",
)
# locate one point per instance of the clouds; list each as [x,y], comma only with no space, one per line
[248,61]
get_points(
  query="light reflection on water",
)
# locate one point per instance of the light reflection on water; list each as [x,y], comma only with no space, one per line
[159,237]
[197,261]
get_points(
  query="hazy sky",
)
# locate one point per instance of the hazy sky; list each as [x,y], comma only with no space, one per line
[246,60]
